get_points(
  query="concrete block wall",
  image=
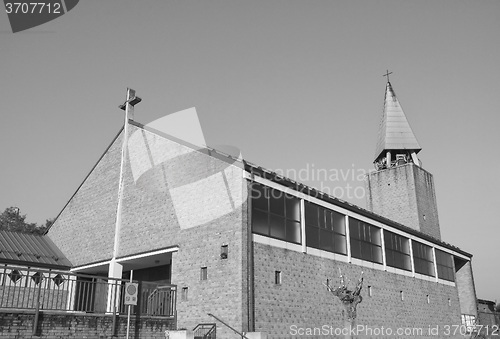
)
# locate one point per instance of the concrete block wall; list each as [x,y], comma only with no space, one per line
[405,194]
[301,301]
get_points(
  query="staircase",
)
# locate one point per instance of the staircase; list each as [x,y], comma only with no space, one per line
[205,331]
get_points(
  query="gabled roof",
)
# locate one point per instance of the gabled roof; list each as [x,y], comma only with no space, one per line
[31,250]
[394,132]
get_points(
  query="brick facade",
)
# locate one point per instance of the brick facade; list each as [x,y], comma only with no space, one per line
[304,302]
[196,202]
[188,199]
[466,289]
[17,324]
[405,194]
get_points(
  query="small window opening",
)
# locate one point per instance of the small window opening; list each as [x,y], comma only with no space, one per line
[277,277]
[223,252]
[184,294]
[203,273]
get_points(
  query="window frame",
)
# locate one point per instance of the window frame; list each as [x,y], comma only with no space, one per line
[289,221]
[362,243]
[419,259]
[325,225]
[394,247]
[446,271]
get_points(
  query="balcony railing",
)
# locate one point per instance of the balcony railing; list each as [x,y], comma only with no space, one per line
[26,288]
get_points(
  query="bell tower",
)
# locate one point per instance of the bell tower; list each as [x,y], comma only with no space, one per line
[400,189]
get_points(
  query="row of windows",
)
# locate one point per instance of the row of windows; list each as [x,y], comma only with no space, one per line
[276,214]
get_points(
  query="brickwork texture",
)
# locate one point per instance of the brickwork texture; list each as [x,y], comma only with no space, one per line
[405,194]
[62,326]
[302,300]
[173,196]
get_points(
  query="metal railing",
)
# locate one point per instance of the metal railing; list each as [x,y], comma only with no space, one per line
[205,331]
[39,289]
[239,333]
[160,300]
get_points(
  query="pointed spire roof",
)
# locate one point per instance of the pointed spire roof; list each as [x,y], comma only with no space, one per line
[394,132]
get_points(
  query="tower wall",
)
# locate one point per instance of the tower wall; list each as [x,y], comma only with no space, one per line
[405,194]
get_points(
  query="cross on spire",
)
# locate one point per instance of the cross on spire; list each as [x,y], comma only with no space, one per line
[387,75]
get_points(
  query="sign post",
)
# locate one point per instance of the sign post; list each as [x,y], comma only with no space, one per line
[131,290]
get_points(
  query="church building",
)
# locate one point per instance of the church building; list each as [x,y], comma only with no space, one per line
[256,249]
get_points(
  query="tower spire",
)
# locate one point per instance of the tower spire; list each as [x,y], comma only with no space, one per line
[396,142]
[401,189]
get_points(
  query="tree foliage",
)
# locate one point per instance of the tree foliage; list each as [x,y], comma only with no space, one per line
[12,220]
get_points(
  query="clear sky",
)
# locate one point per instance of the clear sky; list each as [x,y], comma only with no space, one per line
[296,85]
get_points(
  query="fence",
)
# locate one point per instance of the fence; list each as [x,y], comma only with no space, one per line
[26,288]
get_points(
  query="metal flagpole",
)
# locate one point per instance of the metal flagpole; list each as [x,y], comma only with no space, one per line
[115,270]
[128,106]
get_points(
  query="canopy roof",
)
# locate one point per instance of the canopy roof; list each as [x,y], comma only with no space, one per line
[31,250]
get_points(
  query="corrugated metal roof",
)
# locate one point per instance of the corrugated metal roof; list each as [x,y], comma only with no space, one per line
[31,250]
[394,132]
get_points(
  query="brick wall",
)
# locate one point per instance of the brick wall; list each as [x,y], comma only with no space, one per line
[303,301]
[88,220]
[466,290]
[405,194]
[173,196]
[426,202]
[62,326]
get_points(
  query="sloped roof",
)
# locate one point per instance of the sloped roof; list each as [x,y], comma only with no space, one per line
[31,250]
[394,132]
